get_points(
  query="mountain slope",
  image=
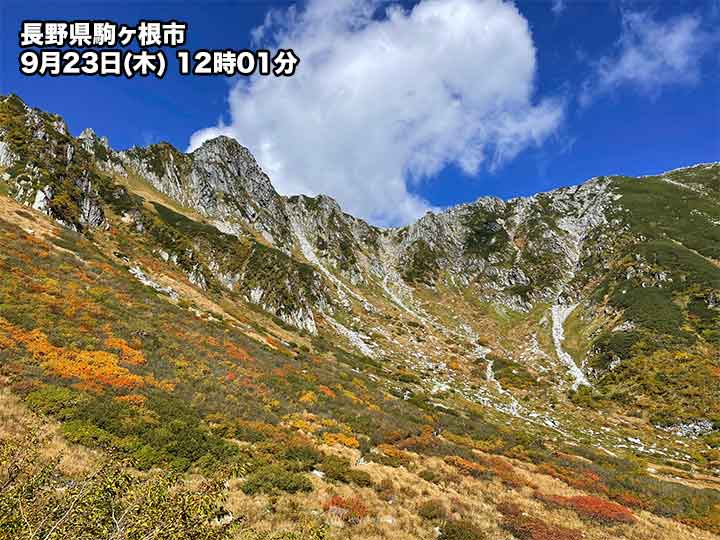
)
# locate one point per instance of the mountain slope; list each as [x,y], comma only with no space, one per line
[180,305]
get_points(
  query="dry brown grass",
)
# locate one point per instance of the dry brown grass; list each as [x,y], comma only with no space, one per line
[17,423]
[32,222]
[391,505]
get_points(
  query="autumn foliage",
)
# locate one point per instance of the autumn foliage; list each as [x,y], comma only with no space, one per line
[583,479]
[135,400]
[236,352]
[468,467]
[128,354]
[525,527]
[351,510]
[340,438]
[591,507]
[92,368]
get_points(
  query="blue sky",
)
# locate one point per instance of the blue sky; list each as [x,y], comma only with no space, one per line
[546,94]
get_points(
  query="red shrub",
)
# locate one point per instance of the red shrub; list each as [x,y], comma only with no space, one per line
[236,352]
[419,441]
[350,510]
[592,507]
[584,479]
[628,499]
[531,528]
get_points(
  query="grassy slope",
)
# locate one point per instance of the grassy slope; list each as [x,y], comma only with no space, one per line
[667,363]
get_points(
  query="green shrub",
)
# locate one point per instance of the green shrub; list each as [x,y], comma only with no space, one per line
[147,457]
[461,530]
[485,234]
[432,510]
[300,457]
[39,501]
[337,468]
[430,476]
[614,346]
[81,432]
[360,478]
[650,307]
[52,400]
[272,479]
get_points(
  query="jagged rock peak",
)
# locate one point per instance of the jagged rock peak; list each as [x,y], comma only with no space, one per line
[323,203]
[88,134]
[222,145]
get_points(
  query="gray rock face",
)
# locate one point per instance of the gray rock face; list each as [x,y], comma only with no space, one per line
[7,158]
[41,178]
[42,199]
[222,181]
[91,211]
[331,238]
[226,180]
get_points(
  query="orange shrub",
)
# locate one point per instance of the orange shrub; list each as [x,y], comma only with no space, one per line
[327,391]
[236,352]
[468,467]
[136,400]
[6,343]
[340,438]
[504,470]
[92,368]
[308,397]
[628,499]
[398,456]
[420,441]
[585,479]
[350,510]
[273,343]
[591,507]
[129,355]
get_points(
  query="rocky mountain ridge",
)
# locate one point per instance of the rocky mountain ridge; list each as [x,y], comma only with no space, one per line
[222,182]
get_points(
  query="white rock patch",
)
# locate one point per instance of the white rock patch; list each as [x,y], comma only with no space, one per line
[559,315]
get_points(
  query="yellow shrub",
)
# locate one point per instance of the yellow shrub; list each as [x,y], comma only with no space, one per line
[340,438]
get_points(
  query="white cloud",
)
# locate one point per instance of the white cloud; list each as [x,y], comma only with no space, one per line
[651,54]
[384,99]
[557,7]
